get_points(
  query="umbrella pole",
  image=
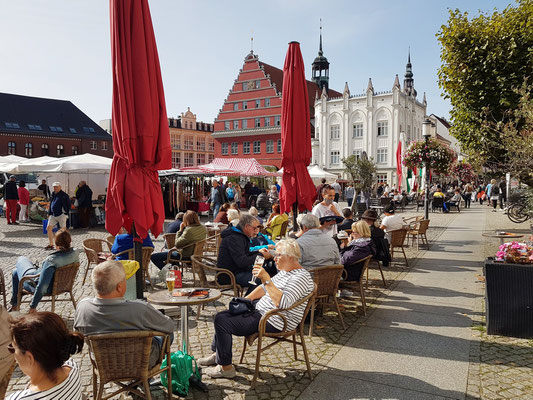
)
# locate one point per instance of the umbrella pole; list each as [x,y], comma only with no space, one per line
[138,252]
[295,226]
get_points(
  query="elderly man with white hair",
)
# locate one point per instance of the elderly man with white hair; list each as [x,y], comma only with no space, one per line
[318,248]
[108,312]
[291,284]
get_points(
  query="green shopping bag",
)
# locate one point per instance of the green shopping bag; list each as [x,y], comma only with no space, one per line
[183,368]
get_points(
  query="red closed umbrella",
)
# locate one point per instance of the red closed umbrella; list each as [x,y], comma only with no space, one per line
[141,139]
[298,190]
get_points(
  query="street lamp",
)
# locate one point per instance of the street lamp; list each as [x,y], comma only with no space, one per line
[427,134]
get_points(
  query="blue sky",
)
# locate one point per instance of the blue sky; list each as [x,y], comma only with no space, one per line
[61,49]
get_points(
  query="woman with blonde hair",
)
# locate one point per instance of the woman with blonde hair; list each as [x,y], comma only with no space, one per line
[359,247]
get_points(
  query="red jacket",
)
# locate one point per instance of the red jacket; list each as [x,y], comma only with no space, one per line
[24,196]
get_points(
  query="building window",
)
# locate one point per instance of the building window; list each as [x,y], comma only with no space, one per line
[189,143]
[72,130]
[175,142]
[200,144]
[235,106]
[382,156]
[56,129]
[44,150]
[257,122]
[257,147]
[60,150]
[211,145]
[277,120]
[200,159]
[12,125]
[93,145]
[257,103]
[267,102]
[28,149]
[381,178]
[234,148]
[244,105]
[257,84]
[244,123]
[357,153]
[226,125]
[88,130]
[267,121]
[188,159]
[104,145]
[270,146]
[176,159]
[334,157]
[246,147]
[383,127]
[75,150]
[34,127]
[335,132]
[235,124]
[210,158]
[225,147]
[11,148]
[357,130]
[279,145]
[244,85]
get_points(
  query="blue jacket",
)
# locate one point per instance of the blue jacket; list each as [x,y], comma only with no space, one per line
[125,242]
[59,204]
[47,270]
[261,241]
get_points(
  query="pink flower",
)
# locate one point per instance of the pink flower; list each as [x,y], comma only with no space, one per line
[500,255]
[515,246]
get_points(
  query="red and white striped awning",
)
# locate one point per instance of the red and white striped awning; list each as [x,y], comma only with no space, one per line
[233,167]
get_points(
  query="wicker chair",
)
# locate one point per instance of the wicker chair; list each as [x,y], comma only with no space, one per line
[92,247]
[63,282]
[358,284]
[327,280]
[111,239]
[212,243]
[378,263]
[206,267]
[146,254]
[437,203]
[419,231]
[198,251]
[123,358]
[397,240]
[3,287]
[283,336]
[4,382]
[170,239]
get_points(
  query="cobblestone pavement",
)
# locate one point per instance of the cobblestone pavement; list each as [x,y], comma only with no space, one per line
[274,382]
[500,367]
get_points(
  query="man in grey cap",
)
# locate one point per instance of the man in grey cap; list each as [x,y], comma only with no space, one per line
[11,196]
[57,212]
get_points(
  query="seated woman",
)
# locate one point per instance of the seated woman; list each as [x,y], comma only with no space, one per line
[273,195]
[43,284]
[291,283]
[233,217]
[42,346]
[191,231]
[124,241]
[359,247]
[275,221]
[254,212]
[222,215]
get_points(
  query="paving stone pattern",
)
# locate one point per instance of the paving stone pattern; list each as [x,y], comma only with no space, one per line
[280,375]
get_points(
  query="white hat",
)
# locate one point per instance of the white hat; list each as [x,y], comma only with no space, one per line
[56,184]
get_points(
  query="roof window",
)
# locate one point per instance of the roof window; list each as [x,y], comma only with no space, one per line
[12,125]
[56,129]
[88,130]
[72,130]
[35,127]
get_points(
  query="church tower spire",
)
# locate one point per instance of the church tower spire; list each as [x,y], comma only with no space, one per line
[320,68]
[409,82]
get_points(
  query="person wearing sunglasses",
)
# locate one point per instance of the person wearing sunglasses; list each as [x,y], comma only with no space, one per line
[42,346]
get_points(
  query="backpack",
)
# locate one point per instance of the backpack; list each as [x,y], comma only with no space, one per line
[182,370]
[230,193]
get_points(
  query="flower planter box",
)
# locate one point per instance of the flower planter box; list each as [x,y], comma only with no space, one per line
[509,299]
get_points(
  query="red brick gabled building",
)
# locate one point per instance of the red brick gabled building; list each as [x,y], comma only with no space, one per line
[249,123]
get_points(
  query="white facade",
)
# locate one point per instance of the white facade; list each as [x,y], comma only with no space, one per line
[370,123]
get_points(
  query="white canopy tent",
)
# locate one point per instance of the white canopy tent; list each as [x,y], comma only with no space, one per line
[317,174]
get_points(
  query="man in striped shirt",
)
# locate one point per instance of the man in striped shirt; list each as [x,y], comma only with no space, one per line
[291,284]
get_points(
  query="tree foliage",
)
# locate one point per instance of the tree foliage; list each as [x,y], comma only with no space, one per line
[361,170]
[485,60]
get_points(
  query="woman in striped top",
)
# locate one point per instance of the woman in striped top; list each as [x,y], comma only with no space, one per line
[290,284]
[42,346]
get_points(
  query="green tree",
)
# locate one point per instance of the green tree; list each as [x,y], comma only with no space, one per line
[485,60]
[361,171]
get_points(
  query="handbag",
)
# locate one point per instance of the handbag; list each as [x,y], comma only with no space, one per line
[184,371]
[241,305]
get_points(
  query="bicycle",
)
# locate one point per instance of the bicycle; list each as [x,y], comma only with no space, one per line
[518,213]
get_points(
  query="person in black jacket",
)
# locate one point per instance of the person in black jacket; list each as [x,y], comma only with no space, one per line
[234,253]
[378,237]
[11,197]
[348,220]
[84,195]
[57,212]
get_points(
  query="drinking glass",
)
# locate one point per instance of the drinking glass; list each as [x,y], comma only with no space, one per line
[259,260]
[170,279]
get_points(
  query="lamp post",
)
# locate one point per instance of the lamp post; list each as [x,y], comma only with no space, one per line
[425,132]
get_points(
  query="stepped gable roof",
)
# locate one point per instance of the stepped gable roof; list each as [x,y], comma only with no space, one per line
[18,113]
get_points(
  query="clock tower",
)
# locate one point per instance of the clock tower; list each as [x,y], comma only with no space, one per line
[321,67]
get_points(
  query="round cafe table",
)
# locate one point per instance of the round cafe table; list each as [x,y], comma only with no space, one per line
[506,236]
[162,298]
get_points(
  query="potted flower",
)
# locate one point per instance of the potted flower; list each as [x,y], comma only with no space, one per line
[514,252]
[439,156]
[464,171]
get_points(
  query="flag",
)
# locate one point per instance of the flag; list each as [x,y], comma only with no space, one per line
[399,165]
[409,176]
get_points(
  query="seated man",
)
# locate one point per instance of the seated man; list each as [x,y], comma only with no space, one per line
[124,241]
[391,222]
[291,284]
[108,312]
[317,248]
[191,231]
[397,198]
[234,253]
[455,200]
[64,255]
[348,220]
[378,237]
[174,226]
